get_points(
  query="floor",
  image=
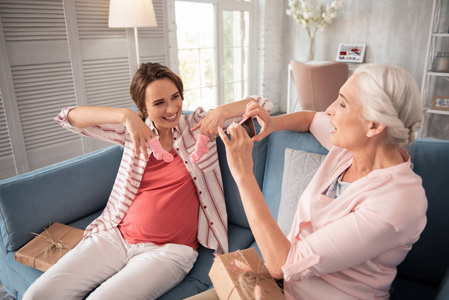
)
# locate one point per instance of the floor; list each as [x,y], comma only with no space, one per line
[3,294]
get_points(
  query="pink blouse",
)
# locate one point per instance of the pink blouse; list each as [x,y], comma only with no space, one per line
[349,247]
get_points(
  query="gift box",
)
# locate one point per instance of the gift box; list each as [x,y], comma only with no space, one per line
[49,246]
[242,275]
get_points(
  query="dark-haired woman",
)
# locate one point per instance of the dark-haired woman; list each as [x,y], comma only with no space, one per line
[145,241]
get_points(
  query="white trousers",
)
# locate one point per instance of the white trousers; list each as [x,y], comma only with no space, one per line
[119,269]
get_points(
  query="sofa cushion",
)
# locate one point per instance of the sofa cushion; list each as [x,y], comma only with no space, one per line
[299,168]
[198,278]
[404,288]
[234,206]
[278,142]
[82,186]
[428,259]
[443,292]
[17,277]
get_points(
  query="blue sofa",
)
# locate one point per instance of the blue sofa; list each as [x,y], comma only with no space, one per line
[75,191]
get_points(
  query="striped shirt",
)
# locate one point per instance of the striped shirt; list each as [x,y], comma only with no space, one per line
[206,175]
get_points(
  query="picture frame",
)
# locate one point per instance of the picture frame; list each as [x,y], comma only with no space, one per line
[350,52]
[440,102]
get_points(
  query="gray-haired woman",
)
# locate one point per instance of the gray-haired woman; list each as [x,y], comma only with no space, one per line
[364,208]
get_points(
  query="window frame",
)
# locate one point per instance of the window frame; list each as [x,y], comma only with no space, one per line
[219,6]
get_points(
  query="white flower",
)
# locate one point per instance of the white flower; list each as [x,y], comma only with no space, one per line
[313,19]
[306,15]
[340,4]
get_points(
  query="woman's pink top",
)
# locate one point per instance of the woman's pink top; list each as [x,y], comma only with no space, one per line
[349,247]
[165,209]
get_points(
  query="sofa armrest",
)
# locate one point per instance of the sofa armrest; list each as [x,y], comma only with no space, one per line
[443,293]
[63,192]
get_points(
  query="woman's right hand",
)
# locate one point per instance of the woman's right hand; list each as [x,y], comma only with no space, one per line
[253,109]
[139,131]
[238,151]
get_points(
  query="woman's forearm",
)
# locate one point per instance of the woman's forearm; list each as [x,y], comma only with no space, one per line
[234,109]
[86,116]
[272,242]
[297,121]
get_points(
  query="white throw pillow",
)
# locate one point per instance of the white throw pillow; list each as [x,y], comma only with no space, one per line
[299,168]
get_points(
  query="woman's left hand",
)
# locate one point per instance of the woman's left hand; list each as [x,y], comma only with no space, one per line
[238,151]
[209,124]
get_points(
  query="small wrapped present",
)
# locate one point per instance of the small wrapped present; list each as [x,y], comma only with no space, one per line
[242,275]
[49,246]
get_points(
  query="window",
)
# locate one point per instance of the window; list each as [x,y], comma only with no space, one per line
[236,54]
[214,49]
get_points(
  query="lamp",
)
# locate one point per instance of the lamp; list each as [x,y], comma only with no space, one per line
[132,14]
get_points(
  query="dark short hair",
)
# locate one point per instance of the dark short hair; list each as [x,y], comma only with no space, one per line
[146,74]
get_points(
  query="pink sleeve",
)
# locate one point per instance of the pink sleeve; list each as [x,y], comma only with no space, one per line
[115,133]
[342,244]
[321,129]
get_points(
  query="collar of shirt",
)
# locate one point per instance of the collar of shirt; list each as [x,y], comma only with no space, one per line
[154,129]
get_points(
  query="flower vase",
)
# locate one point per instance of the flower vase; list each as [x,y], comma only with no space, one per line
[311,49]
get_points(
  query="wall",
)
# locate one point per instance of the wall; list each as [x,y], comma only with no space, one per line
[395,32]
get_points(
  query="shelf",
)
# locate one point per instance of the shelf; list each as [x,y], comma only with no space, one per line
[438,112]
[440,34]
[431,81]
[430,73]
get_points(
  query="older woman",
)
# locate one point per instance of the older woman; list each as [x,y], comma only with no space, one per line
[364,208]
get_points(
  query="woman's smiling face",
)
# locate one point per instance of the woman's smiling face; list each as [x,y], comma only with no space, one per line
[163,103]
[350,131]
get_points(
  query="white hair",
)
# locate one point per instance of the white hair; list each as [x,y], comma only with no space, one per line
[390,96]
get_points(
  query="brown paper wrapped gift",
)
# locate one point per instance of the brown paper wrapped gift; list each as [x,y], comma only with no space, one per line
[242,275]
[49,246]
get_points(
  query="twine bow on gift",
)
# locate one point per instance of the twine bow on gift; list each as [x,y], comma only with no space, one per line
[53,244]
[249,280]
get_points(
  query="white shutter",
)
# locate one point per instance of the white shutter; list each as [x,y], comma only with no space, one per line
[107,82]
[33,20]
[105,54]
[92,17]
[41,91]
[37,49]
[7,168]
[105,58]
[152,41]
[60,53]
